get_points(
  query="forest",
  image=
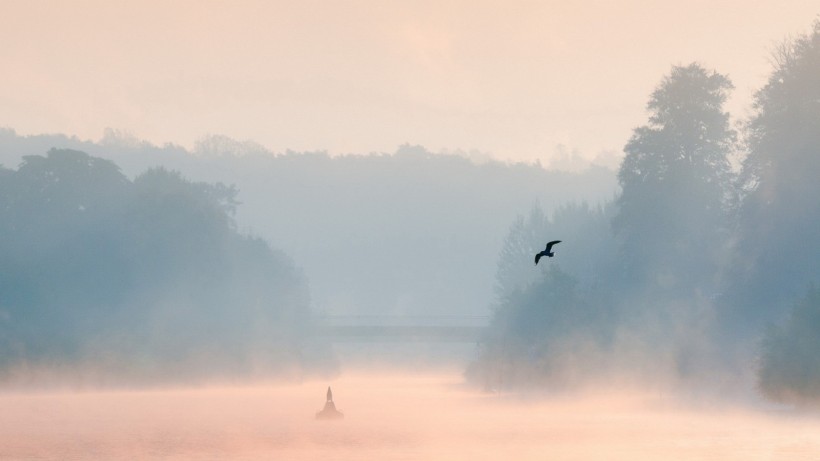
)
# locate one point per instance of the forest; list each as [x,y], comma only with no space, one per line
[695,265]
[139,280]
[407,232]
[702,272]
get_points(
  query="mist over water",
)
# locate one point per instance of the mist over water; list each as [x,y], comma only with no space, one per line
[393,415]
[178,303]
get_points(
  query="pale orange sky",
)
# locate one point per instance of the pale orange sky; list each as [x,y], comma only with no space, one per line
[509,78]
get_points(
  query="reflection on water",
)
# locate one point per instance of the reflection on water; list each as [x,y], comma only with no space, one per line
[389,417]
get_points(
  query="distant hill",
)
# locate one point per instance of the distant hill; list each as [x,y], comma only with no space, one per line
[412,232]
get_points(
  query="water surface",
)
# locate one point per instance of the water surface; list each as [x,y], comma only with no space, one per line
[390,417]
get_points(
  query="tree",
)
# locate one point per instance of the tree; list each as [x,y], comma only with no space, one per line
[585,235]
[779,217]
[545,333]
[550,321]
[525,238]
[144,279]
[789,369]
[675,178]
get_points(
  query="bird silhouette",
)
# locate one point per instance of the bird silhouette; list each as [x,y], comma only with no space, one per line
[547,251]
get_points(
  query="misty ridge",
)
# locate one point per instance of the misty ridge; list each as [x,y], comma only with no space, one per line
[163,277]
[400,233]
[691,267]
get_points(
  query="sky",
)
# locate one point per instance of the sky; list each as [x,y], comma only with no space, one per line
[514,80]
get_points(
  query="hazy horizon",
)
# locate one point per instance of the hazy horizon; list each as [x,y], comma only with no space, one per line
[210,212]
[511,80]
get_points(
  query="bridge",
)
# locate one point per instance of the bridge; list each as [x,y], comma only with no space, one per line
[403,328]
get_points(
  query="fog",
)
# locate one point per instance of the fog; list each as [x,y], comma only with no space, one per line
[159,263]
[510,79]
[195,301]
[426,243]
[393,415]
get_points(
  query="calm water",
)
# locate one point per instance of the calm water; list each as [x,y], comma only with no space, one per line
[389,417]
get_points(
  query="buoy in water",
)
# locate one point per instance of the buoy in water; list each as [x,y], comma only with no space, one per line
[329,411]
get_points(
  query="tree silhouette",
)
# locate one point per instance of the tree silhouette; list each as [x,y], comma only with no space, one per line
[779,219]
[675,177]
[144,279]
[545,333]
[789,369]
[587,251]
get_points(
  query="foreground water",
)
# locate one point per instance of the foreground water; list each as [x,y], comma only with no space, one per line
[390,417]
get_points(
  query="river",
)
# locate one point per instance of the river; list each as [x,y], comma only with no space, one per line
[391,416]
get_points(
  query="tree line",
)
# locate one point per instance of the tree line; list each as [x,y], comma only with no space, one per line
[409,232]
[139,279]
[711,245]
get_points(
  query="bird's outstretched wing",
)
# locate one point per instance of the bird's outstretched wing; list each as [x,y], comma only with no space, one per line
[549,245]
[537,257]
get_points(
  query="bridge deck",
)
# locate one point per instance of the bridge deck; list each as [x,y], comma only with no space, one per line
[435,333]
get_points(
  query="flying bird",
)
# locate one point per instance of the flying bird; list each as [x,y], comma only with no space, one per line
[547,251]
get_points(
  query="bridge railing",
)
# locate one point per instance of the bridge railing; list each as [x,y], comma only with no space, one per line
[373,328]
